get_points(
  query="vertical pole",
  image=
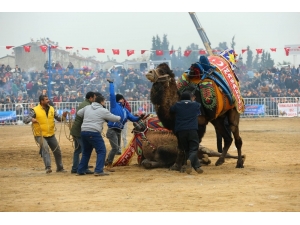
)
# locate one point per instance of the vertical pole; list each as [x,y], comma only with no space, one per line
[49,73]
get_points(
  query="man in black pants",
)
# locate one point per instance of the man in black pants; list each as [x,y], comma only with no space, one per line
[186,126]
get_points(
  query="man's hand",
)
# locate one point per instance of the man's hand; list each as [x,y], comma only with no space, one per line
[142,116]
[110,80]
[33,120]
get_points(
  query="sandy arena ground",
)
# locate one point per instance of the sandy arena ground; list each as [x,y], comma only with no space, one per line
[270,181]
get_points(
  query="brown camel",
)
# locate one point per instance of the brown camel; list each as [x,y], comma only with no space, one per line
[159,145]
[216,104]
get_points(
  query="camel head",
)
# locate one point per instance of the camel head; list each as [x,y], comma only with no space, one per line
[160,74]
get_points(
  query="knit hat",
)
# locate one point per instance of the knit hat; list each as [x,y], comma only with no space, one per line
[185,96]
[119,97]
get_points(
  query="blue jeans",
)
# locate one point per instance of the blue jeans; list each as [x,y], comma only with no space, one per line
[114,138]
[92,140]
[78,145]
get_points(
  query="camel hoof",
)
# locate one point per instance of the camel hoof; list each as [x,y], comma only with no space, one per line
[147,165]
[219,162]
[175,167]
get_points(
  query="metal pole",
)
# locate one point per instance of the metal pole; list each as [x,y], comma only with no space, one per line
[49,73]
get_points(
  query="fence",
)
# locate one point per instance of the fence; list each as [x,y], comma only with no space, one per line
[13,113]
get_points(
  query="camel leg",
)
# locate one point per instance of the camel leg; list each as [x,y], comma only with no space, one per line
[210,153]
[148,164]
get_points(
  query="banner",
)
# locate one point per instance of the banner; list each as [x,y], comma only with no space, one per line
[8,115]
[255,109]
[288,109]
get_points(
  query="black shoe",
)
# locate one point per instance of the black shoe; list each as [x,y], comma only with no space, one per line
[90,167]
[73,171]
[101,174]
[48,170]
[110,80]
[89,172]
[119,153]
[80,174]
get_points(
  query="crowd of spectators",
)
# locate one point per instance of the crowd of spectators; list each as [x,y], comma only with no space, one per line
[71,85]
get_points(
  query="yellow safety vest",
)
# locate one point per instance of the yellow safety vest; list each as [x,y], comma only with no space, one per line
[46,123]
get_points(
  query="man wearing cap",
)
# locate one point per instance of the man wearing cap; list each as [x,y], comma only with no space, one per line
[186,126]
[117,107]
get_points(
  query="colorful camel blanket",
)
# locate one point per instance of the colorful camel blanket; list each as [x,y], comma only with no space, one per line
[135,144]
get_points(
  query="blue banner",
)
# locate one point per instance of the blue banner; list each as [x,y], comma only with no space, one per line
[8,115]
[254,109]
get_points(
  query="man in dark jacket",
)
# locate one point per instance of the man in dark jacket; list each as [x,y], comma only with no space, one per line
[117,107]
[75,132]
[186,126]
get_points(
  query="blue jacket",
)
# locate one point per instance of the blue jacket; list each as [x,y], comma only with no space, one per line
[118,109]
[186,115]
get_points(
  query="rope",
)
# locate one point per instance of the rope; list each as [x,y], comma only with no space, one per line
[39,133]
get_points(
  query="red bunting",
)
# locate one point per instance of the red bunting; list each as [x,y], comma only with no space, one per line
[85,49]
[287,51]
[159,52]
[9,46]
[44,48]
[202,52]
[171,52]
[100,50]
[244,50]
[27,48]
[116,51]
[187,53]
[143,51]
[69,47]
[54,46]
[259,50]
[273,49]
[130,52]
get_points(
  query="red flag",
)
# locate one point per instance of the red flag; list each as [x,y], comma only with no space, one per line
[54,46]
[9,46]
[100,50]
[116,51]
[187,53]
[259,50]
[130,52]
[202,52]
[244,50]
[273,49]
[44,48]
[69,47]
[85,48]
[159,52]
[27,48]
[143,51]
[171,52]
[287,51]
[214,50]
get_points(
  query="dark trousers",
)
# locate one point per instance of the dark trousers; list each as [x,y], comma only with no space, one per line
[92,140]
[189,142]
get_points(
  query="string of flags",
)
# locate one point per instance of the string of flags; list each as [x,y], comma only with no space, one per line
[130,52]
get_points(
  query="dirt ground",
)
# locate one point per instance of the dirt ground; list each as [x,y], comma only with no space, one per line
[268,183]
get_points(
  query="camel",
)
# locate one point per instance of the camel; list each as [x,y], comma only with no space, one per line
[211,90]
[159,145]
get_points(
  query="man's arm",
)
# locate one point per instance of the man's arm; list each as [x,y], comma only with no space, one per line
[30,118]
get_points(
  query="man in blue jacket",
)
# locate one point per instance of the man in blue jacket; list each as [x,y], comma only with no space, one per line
[117,107]
[186,127]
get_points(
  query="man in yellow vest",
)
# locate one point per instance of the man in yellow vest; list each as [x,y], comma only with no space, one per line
[42,117]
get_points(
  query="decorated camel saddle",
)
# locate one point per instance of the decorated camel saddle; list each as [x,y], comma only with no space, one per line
[214,83]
